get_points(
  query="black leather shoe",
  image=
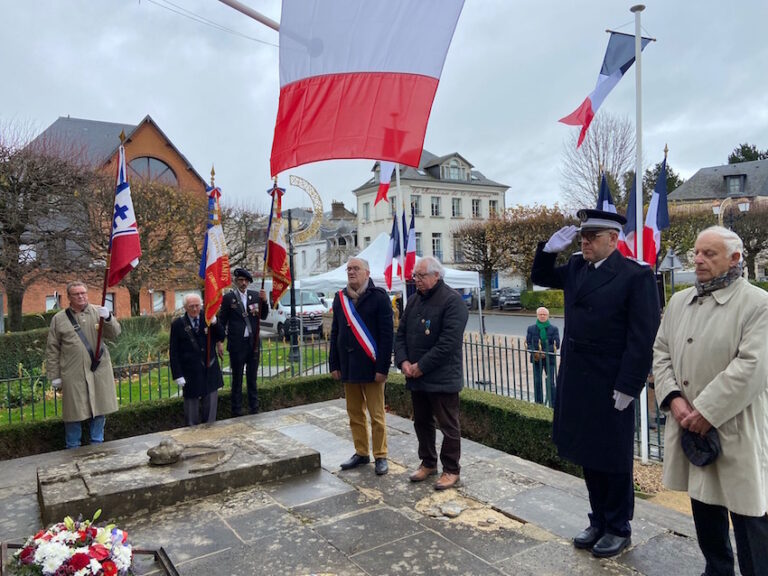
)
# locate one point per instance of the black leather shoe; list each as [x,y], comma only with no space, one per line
[587,537]
[355,461]
[381,466]
[610,545]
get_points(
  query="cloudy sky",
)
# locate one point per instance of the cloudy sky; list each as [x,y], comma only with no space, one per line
[514,68]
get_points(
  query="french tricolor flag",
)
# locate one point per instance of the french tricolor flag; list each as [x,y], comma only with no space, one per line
[657,218]
[605,203]
[393,255]
[357,79]
[385,177]
[410,246]
[619,57]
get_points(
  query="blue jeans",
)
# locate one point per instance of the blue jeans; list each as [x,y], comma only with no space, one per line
[73,431]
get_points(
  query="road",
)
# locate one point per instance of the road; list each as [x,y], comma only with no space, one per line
[508,323]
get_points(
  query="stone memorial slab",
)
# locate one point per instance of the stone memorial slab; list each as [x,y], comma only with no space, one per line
[201,461]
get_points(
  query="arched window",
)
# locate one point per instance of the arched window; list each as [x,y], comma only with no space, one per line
[151,169]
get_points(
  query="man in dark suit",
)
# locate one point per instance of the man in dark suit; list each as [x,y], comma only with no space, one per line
[611,318]
[241,313]
[194,363]
[543,342]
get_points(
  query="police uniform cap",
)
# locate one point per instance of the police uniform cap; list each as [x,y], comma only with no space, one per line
[701,450]
[600,220]
[243,273]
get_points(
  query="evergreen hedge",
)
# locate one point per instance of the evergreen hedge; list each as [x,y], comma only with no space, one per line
[25,348]
[33,321]
[533,299]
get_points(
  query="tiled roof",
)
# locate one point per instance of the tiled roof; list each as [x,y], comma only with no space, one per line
[710,183]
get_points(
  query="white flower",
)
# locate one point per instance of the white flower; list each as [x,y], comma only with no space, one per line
[84,571]
[95,566]
[121,555]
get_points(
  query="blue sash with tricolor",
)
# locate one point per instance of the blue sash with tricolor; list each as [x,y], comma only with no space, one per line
[358,327]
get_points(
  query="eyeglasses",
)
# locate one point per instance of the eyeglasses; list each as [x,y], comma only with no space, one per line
[353,268]
[590,235]
[420,275]
[78,293]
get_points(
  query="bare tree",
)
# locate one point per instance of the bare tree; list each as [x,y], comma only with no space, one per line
[610,144]
[245,232]
[480,253]
[43,198]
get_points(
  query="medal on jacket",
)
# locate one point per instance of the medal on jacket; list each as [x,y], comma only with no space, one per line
[427,330]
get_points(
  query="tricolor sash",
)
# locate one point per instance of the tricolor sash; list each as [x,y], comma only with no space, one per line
[358,327]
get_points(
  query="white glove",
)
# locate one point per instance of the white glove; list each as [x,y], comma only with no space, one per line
[103,312]
[561,239]
[56,383]
[181,381]
[621,400]
[214,320]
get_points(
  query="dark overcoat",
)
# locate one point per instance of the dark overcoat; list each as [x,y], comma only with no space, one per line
[347,355]
[611,317]
[431,333]
[533,338]
[188,359]
[233,318]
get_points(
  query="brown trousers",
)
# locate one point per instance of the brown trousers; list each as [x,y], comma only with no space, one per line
[370,397]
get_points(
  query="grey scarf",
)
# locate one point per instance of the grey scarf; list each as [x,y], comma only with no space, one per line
[355,294]
[722,281]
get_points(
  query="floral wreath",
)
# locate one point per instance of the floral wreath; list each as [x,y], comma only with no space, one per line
[75,548]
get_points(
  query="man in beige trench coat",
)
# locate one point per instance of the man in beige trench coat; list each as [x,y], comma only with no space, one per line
[85,394]
[711,370]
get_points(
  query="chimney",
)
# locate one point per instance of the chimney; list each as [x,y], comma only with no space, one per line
[337,210]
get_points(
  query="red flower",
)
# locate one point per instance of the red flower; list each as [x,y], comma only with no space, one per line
[98,552]
[27,555]
[79,561]
[109,568]
[39,534]
[91,531]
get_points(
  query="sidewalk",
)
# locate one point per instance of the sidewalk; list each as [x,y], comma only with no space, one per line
[514,517]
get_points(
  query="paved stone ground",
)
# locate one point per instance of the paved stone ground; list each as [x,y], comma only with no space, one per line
[515,517]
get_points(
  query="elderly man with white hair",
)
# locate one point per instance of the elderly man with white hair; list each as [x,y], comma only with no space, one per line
[194,363]
[711,368]
[428,351]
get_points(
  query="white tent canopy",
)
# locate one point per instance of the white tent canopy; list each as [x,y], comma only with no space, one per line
[376,255]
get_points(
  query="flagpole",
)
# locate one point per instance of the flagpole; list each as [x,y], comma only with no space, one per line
[248,11]
[403,247]
[97,352]
[639,224]
[269,227]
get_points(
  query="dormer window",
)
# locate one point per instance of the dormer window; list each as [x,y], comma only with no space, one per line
[453,170]
[735,184]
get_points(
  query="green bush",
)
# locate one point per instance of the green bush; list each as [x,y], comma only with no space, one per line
[25,349]
[27,438]
[34,321]
[533,299]
[763,285]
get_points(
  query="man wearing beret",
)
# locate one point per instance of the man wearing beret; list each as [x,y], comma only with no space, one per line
[611,317]
[710,361]
[241,313]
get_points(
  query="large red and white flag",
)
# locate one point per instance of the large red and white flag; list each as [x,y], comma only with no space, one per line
[357,79]
[385,177]
[277,250]
[214,264]
[619,57]
[124,245]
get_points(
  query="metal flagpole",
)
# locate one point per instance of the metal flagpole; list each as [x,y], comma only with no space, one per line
[637,9]
[258,16]
[400,199]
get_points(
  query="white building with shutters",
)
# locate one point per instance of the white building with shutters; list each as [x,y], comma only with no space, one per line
[447,193]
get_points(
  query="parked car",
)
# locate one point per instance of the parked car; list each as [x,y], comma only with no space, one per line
[309,310]
[494,299]
[509,299]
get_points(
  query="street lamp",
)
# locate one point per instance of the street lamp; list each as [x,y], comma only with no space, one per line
[719,209]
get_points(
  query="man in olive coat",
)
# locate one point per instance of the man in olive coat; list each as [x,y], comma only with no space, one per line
[711,370]
[86,393]
[611,317]
[428,351]
[194,363]
[361,352]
